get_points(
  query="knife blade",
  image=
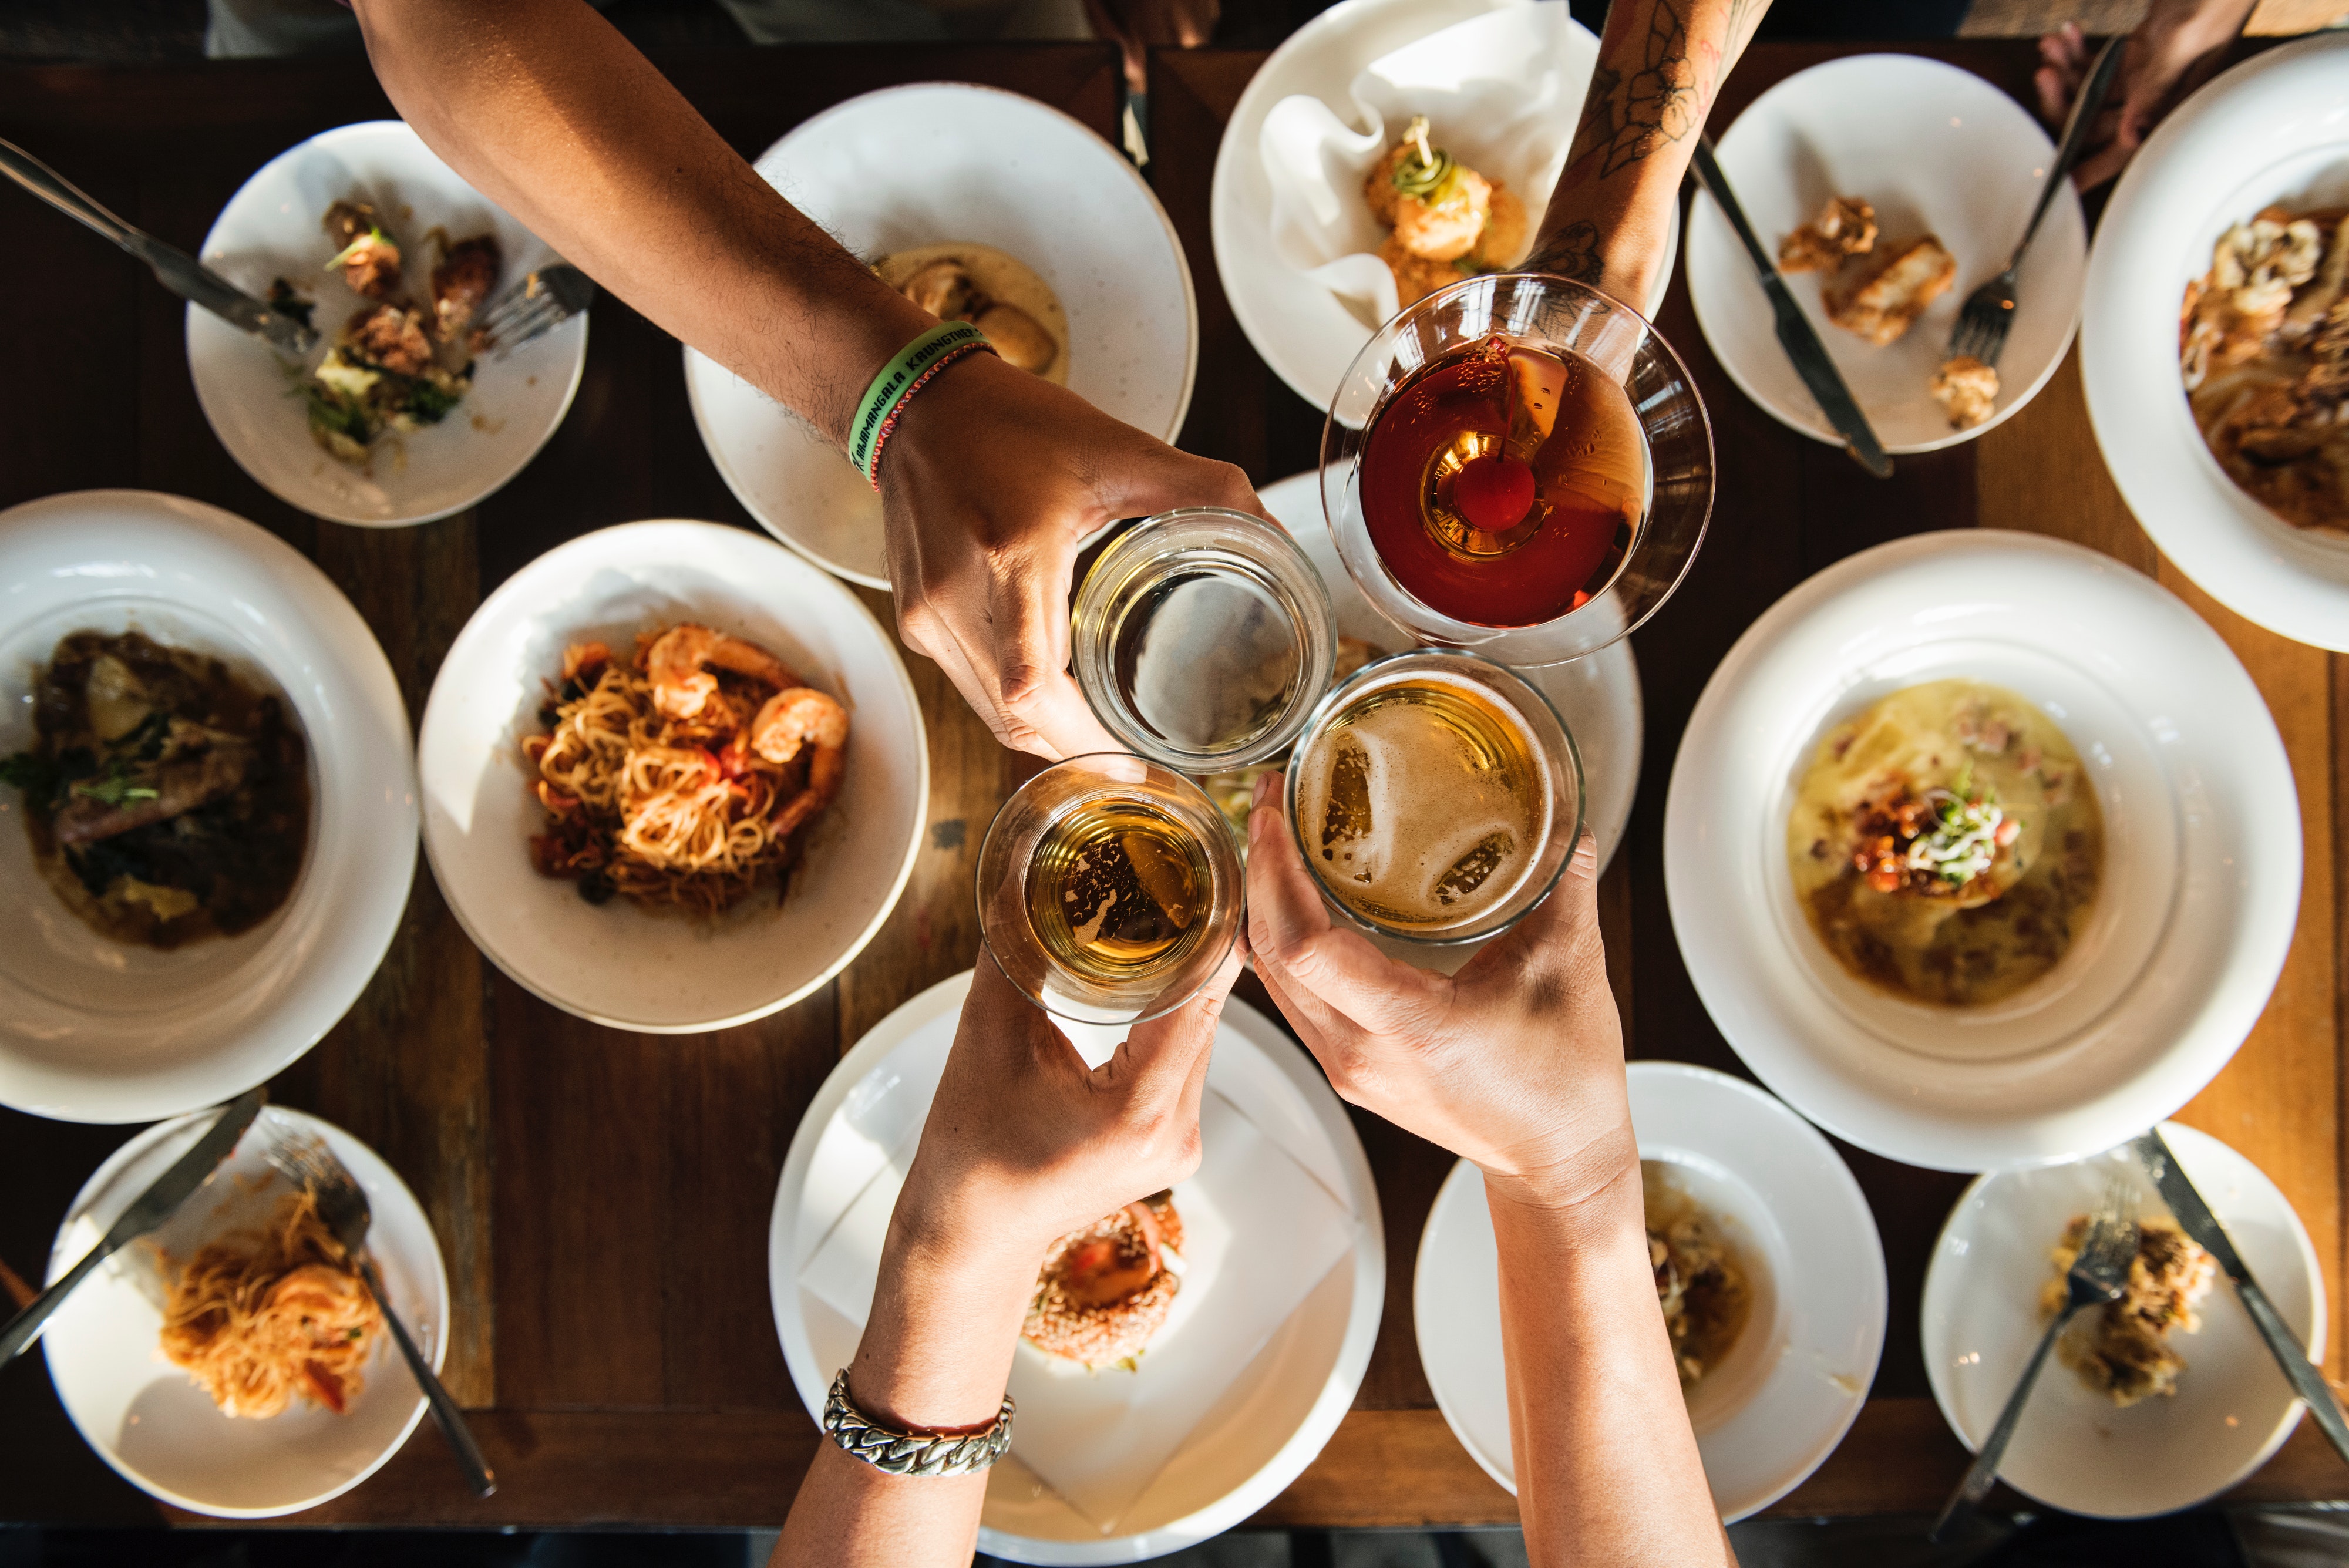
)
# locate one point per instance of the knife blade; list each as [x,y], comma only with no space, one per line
[1795,334]
[147,1212]
[2194,1218]
[175,269]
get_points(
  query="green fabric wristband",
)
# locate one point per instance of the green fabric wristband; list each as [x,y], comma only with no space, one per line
[895,380]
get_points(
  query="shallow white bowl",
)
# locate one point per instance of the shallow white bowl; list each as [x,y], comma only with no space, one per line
[1598,696]
[250,392]
[618,964]
[1280,1410]
[1792,1385]
[2202,853]
[2275,129]
[91,1030]
[1934,147]
[2074,1449]
[1302,330]
[146,1418]
[941,161]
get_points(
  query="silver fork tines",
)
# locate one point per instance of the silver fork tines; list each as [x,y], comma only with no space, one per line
[534,305]
[2098,1275]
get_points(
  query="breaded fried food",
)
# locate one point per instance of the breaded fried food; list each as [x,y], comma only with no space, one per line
[1416,277]
[1904,280]
[1846,227]
[1504,239]
[1966,390]
[1446,225]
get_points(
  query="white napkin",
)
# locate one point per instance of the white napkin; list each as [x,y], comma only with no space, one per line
[1502,93]
[1258,1234]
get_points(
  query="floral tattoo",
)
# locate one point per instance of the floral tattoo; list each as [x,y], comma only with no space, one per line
[1572,252]
[1630,116]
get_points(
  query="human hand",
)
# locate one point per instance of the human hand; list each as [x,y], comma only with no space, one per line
[1515,1063]
[2173,51]
[1137,25]
[990,481]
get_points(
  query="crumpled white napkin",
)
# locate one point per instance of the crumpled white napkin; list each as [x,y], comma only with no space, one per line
[1502,93]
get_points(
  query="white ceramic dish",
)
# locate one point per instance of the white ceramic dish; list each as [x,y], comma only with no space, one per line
[91,1030]
[1936,149]
[1270,1411]
[2275,129]
[617,963]
[1791,1385]
[146,1418]
[945,161]
[1598,697]
[2201,882]
[2074,1449]
[271,228]
[1302,330]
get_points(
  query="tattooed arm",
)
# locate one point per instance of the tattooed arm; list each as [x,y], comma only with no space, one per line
[1660,65]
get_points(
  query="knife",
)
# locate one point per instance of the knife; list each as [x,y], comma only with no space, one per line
[174,269]
[148,1211]
[2194,1218]
[1796,332]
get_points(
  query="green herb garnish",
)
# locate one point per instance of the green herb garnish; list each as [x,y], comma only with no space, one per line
[373,235]
[1425,173]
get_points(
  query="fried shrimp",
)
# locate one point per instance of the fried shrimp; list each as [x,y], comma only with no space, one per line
[681,684]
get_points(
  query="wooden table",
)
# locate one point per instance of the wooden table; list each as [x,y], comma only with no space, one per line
[602,1197]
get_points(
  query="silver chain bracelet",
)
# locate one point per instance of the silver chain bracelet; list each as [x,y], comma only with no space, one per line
[912,1453]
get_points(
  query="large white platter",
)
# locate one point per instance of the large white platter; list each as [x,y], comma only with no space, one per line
[91,1030]
[2202,883]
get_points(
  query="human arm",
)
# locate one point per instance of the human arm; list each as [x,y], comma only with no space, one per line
[2173,51]
[1517,1064]
[992,475]
[1023,1144]
[1660,64]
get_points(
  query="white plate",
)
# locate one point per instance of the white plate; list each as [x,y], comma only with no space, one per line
[2202,853]
[1302,330]
[271,228]
[941,161]
[1281,1404]
[2275,129]
[1598,696]
[146,1418]
[1935,148]
[2074,1449]
[1794,1382]
[93,1030]
[666,974]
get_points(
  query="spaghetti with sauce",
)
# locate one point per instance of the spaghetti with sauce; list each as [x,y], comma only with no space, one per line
[683,775]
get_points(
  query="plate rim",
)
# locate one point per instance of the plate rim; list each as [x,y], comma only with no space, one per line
[921,787]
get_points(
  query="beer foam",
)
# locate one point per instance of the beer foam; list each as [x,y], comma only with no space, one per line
[1422,806]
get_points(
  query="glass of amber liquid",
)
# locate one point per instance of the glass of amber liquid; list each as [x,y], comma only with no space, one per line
[1517,464]
[1109,888]
[1436,797]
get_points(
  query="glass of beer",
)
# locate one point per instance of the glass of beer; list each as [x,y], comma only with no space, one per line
[1109,889]
[1436,797]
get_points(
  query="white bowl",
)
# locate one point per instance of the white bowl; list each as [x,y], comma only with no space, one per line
[1302,330]
[2201,885]
[270,229]
[663,972]
[1256,1418]
[1934,147]
[145,1418]
[1598,696]
[2074,1449]
[947,161]
[94,1031]
[2275,129]
[1792,1385]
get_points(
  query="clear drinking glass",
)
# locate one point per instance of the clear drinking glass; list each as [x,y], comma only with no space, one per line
[1109,888]
[1593,334]
[1435,796]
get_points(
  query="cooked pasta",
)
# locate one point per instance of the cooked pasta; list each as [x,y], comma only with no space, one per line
[258,1320]
[681,777]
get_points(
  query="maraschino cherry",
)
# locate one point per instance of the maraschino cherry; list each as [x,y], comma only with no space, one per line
[1493,491]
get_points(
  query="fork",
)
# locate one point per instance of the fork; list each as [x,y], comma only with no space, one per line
[533,305]
[2098,1275]
[1989,310]
[343,1205]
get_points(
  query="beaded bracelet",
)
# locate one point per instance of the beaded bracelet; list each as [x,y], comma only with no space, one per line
[899,379]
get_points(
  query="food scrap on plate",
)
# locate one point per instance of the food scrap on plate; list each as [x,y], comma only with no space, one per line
[1891,289]
[1105,1289]
[1700,1280]
[2121,1349]
[994,291]
[1445,221]
[1845,227]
